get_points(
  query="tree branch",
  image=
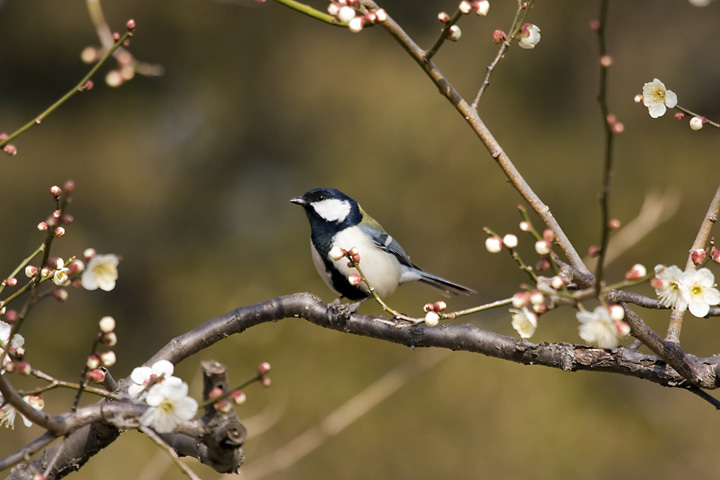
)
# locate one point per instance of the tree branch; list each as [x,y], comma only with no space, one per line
[473,119]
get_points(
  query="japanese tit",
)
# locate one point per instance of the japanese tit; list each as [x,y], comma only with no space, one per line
[337,220]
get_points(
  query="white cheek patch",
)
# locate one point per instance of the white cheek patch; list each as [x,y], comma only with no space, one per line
[332,209]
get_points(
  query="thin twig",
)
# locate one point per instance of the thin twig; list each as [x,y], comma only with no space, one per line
[170,451]
[609,140]
[81,85]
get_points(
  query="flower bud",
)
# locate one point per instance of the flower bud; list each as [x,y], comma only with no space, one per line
[465,7]
[698,256]
[696,123]
[616,312]
[454,33]
[223,406]
[443,17]
[542,247]
[636,272]
[96,375]
[481,7]
[109,339]
[439,306]
[108,358]
[263,368]
[432,319]
[355,279]
[510,240]
[238,397]
[107,324]
[92,362]
[493,244]
[499,36]
[60,294]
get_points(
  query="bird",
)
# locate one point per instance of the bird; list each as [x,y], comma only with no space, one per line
[338,221]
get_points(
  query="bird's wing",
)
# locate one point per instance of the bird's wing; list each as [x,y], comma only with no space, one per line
[383,240]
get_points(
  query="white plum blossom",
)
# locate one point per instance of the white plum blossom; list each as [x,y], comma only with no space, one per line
[169,405]
[524,322]
[529,36]
[17,342]
[667,286]
[142,376]
[8,412]
[698,288]
[101,272]
[597,328]
[692,290]
[656,98]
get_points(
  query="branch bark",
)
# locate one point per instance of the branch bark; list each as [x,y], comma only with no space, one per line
[92,428]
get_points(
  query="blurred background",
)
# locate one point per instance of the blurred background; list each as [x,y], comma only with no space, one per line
[187,176]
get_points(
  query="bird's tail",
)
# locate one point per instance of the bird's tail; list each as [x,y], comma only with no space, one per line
[445,286]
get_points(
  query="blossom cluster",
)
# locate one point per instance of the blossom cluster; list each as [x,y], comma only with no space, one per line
[691,289]
[352,13]
[166,395]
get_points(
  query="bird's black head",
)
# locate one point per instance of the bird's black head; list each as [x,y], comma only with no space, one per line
[329,210]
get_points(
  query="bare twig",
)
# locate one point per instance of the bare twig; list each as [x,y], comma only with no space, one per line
[169,450]
[609,140]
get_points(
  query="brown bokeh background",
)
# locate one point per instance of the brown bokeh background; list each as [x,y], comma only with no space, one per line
[188,176]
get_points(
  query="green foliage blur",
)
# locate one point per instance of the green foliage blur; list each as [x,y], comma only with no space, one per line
[187,176]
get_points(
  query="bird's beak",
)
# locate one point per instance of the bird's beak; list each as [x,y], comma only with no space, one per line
[297,200]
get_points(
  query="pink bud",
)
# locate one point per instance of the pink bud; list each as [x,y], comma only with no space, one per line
[215,393]
[355,279]
[10,149]
[95,376]
[130,24]
[263,368]
[594,250]
[55,191]
[698,256]
[222,406]
[595,25]
[715,254]
[60,294]
[636,272]
[439,306]
[499,36]
[238,397]
[614,224]
[443,17]
[606,61]
[11,316]
[521,299]
[265,382]
[679,116]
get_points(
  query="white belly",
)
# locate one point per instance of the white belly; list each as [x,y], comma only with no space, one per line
[381,269]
